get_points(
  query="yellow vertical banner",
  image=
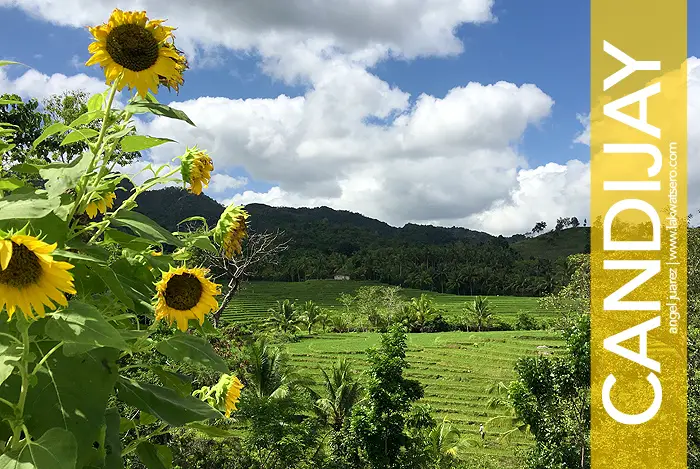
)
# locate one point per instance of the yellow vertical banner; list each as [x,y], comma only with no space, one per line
[638,238]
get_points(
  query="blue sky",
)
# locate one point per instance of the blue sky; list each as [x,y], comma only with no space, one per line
[545,43]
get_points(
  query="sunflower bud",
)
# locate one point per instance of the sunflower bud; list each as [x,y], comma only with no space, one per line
[231,229]
[100,202]
[196,166]
[224,395]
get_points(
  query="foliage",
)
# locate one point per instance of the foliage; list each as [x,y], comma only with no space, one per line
[284,318]
[29,123]
[526,322]
[575,297]
[450,260]
[282,431]
[312,314]
[97,377]
[32,119]
[455,368]
[381,430]
[552,396]
[478,313]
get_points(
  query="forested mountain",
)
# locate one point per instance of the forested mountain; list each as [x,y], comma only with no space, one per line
[324,242]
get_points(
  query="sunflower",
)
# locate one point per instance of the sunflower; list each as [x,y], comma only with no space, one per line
[176,81]
[233,395]
[231,229]
[30,277]
[196,169]
[136,52]
[185,294]
[100,205]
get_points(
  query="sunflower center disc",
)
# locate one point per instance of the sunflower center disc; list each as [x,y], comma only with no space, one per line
[24,268]
[133,47]
[183,292]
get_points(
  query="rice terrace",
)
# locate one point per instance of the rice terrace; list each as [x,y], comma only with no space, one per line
[256,298]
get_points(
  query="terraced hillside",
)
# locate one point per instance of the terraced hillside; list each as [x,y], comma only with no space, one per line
[257,298]
[457,369]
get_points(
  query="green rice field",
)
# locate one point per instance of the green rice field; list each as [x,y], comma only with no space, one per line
[256,298]
[456,368]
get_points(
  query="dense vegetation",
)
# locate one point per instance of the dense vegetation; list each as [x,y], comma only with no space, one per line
[461,373]
[326,242]
[256,298]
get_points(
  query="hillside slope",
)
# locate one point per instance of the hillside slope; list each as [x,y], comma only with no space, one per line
[555,244]
[324,242]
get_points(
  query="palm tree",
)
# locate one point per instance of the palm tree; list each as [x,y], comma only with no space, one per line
[479,311]
[446,444]
[342,392]
[311,314]
[324,319]
[267,374]
[422,309]
[284,317]
[499,393]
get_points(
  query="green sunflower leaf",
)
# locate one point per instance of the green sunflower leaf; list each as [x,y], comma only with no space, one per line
[25,168]
[146,228]
[83,325]
[203,242]
[96,102]
[79,135]
[155,456]
[86,118]
[132,143]
[4,63]
[56,449]
[189,348]
[49,131]
[110,279]
[61,177]
[10,355]
[27,206]
[140,106]
[70,393]
[175,381]
[164,403]
[10,184]
[214,432]
[113,448]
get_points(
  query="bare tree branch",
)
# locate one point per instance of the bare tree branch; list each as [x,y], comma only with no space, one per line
[259,250]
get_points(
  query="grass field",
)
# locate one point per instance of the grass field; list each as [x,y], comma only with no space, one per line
[456,369]
[256,298]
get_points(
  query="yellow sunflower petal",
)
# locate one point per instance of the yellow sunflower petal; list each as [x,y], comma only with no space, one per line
[5,253]
[91,210]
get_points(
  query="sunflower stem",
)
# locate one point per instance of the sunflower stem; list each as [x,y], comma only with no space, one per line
[24,373]
[98,147]
[126,203]
[132,447]
[103,130]
[7,403]
[3,334]
[46,357]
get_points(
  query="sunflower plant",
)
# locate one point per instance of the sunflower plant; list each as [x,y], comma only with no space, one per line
[88,284]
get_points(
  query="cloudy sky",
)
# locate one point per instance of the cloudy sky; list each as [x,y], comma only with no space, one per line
[452,112]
